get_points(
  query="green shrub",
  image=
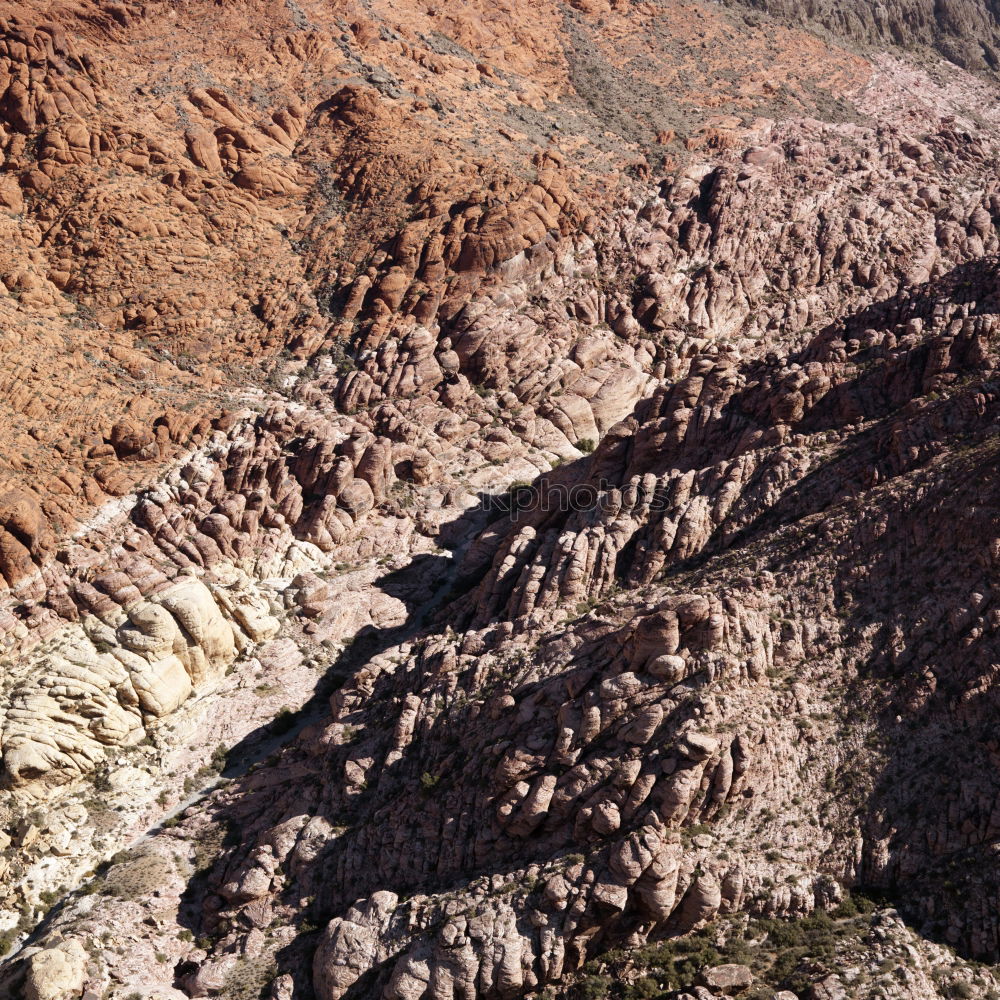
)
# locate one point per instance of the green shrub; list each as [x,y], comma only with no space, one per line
[283,722]
[644,988]
[592,988]
[219,756]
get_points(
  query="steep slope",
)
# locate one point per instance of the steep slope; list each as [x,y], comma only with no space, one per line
[966,32]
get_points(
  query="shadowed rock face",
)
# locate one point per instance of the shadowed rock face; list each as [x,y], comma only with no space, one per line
[966,32]
[543,457]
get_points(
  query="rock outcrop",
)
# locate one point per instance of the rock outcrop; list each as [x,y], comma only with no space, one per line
[99,684]
[963,31]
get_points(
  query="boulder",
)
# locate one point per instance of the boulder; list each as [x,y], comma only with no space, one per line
[726,980]
[56,973]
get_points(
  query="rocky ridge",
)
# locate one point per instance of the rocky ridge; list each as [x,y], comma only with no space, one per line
[963,31]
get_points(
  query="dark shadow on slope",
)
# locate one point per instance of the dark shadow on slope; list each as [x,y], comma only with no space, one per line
[430,585]
[923,787]
[879,395]
[426,586]
[929,821]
